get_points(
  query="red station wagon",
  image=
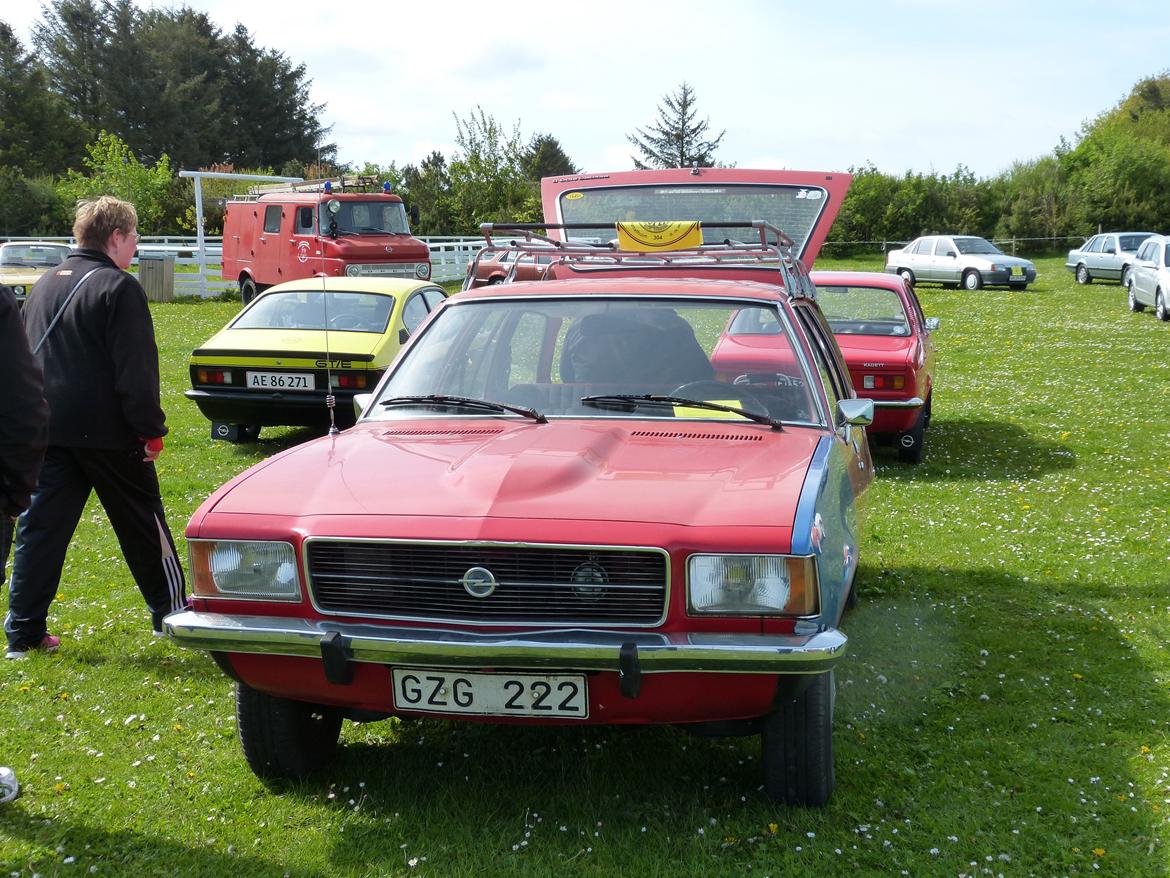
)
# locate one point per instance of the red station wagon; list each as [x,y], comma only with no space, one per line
[555,508]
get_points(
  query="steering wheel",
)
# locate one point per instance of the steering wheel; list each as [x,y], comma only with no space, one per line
[708,389]
[345,321]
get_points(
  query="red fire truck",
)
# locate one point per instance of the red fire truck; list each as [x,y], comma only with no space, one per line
[319,228]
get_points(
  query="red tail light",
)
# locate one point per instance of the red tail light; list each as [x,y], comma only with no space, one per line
[213,376]
[352,381]
[883,382]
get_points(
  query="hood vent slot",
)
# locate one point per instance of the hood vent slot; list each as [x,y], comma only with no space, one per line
[467,431]
[672,434]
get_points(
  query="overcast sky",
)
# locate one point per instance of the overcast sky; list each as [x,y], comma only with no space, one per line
[906,85]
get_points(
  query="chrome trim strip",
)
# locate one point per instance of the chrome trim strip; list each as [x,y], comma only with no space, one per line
[509,623]
[562,648]
[806,506]
[912,403]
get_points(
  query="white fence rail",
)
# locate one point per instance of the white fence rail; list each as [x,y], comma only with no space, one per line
[449,258]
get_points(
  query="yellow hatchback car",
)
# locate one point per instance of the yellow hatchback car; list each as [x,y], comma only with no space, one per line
[276,362]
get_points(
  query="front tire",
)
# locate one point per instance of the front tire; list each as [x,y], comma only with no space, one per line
[797,746]
[285,739]
[972,280]
[1083,276]
[1134,304]
[1160,310]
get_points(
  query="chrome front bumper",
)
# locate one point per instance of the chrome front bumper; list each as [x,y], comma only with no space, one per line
[914,402]
[566,649]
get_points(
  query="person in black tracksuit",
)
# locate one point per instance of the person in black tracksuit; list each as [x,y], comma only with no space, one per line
[106,425]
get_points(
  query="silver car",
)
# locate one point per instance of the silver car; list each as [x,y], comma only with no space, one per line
[951,260]
[1105,257]
[1148,282]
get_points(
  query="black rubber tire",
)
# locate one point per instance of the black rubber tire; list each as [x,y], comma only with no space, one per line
[972,280]
[1124,275]
[285,739]
[906,275]
[797,746]
[248,290]
[249,432]
[1083,276]
[1134,305]
[928,411]
[852,599]
[1160,309]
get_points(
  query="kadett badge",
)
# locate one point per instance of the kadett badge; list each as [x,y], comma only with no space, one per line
[659,236]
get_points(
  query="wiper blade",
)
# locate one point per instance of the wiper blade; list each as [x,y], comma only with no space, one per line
[466,402]
[618,399]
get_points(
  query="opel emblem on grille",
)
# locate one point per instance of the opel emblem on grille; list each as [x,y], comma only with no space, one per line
[479,582]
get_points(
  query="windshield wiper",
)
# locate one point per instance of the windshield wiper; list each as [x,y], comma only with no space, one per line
[466,402]
[619,400]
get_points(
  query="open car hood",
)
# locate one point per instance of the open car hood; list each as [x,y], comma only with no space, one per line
[803,204]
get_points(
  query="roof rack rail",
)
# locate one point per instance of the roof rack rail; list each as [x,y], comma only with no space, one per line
[587,255]
[336,184]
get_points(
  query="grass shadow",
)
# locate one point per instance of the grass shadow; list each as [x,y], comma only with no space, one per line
[959,449]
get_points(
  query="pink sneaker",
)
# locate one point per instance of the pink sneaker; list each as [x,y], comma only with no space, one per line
[49,643]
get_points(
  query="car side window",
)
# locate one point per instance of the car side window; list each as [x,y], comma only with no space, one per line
[414,313]
[1166,256]
[1093,245]
[272,218]
[924,247]
[304,221]
[1146,250]
[433,296]
[1108,244]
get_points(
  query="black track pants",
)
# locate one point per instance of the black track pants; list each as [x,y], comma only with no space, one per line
[127,487]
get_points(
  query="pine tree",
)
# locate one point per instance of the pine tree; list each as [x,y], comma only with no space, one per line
[676,140]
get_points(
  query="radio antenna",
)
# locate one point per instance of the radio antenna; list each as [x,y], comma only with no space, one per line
[330,399]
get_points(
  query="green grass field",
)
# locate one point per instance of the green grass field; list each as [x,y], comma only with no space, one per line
[1003,710]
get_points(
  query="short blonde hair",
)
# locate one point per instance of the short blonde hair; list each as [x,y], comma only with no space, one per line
[97,218]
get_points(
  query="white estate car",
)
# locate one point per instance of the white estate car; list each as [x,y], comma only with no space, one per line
[1148,282]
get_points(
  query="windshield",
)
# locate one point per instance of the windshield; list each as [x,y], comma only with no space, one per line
[305,309]
[863,310]
[792,209]
[365,218]
[976,245]
[33,255]
[551,354]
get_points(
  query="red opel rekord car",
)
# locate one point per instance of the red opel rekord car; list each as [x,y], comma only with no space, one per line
[556,509]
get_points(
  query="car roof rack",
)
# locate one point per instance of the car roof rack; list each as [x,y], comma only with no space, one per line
[358,183]
[534,238]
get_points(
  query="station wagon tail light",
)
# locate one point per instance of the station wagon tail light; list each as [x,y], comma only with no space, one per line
[883,382]
[213,376]
[244,569]
[752,585]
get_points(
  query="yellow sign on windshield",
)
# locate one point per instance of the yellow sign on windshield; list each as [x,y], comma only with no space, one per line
[659,236]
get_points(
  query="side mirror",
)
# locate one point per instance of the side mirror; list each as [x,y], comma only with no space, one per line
[856,412]
[932,323]
[414,214]
[360,401]
[951,253]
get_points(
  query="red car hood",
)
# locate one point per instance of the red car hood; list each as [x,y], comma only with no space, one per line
[692,474]
[883,349]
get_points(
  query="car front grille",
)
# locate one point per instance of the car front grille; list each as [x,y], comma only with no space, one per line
[532,584]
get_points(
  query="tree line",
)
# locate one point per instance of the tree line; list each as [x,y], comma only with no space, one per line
[111,98]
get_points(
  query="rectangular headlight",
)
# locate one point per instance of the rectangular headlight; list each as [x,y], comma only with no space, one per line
[752,585]
[244,569]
